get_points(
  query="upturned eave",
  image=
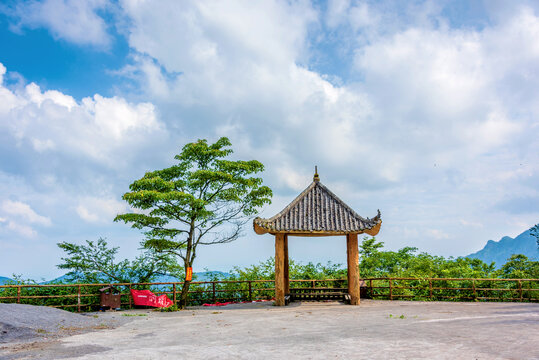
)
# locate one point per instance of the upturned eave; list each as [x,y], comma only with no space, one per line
[260,230]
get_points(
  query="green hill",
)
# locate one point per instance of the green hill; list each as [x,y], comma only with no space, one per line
[500,251]
[4,280]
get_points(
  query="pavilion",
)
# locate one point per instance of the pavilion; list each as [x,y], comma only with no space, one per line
[316,212]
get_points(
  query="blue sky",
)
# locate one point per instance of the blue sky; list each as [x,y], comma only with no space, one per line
[426,110]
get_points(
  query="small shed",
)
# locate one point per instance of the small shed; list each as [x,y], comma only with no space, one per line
[316,212]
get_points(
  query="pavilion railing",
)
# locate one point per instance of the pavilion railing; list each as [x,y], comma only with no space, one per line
[85,297]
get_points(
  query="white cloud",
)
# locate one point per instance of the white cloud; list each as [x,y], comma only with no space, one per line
[73,154]
[24,211]
[437,234]
[251,77]
[34,95]
[358,16]
[20,218]
[42,145]
[99,210]
[100,128]
[292,178]
[117,117]
[471,223]
[2,72]
[210,34]
[71,20]
[24,230]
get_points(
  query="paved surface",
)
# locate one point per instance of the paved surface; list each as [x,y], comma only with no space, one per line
[373,330]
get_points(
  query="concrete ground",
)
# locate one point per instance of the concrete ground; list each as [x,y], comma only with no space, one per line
[373,330]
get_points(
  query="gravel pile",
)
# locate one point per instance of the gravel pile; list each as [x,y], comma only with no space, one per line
[22,323]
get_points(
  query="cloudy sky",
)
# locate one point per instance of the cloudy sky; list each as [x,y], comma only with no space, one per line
[426,110]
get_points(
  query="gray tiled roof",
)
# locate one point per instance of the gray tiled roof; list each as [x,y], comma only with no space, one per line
[318,211]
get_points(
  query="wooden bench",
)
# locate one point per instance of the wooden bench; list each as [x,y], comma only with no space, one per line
[317,294]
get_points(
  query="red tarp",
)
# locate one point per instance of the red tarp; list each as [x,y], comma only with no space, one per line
[148,298]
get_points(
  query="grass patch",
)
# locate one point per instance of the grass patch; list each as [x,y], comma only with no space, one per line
[171,308]
[400,317]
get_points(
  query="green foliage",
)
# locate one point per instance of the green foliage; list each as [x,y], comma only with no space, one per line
[297,270]
[90,294]
[95,262]
[171,308]
[520,267]
[406,262]
[191,200]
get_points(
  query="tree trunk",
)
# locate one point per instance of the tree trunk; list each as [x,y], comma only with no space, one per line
[188,263]
[183,295]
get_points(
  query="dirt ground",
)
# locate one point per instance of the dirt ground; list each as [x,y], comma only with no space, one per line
[373,330]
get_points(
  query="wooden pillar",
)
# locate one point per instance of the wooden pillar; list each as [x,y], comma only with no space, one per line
[353,268]
[286,264]
[279,269]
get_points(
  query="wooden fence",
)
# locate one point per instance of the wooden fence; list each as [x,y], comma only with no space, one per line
[453,289]
[83,297]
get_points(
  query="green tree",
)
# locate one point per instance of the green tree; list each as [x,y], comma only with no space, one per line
[534,231]
[518,266]
[95,262]
[203,199]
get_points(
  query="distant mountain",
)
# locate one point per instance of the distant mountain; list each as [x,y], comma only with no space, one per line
[500,251]
[60,279]
[4,280]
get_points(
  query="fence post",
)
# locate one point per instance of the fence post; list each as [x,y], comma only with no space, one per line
[430,288]
[520,290]
[130,297]
[313,283]
[78,298]
[390,289]
[213,292]
[250,291]
[370,288]
[174,293]
[18,294]
[474,291]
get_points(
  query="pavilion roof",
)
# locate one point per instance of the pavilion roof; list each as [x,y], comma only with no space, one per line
[318,212]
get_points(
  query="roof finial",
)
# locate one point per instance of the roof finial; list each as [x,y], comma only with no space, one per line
[316,177]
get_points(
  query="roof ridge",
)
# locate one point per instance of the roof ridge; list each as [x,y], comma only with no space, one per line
[294,202]
[302,195]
